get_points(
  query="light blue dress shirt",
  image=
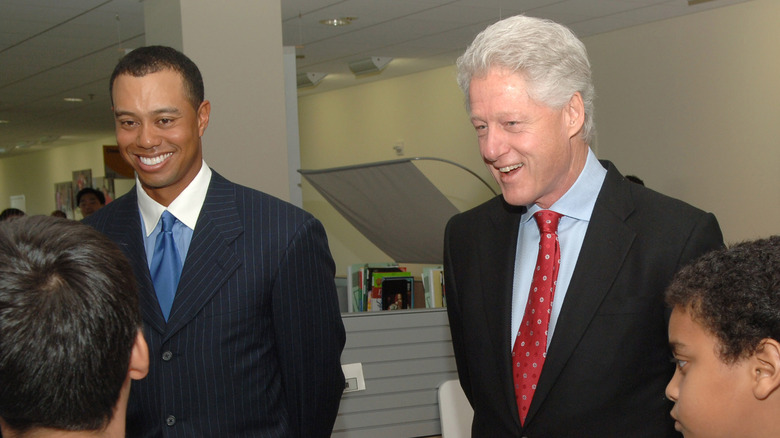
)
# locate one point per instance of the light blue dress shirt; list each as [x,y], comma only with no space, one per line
[182,236]
[576,206]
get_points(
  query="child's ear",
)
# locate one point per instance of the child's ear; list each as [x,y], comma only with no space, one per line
[766,367]
[139,358]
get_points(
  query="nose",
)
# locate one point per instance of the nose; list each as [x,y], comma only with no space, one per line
[147,137]
[493,144]
[673,388]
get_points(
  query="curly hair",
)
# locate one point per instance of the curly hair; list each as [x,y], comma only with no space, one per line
[734,294]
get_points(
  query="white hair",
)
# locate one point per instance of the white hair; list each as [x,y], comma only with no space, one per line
[551,59]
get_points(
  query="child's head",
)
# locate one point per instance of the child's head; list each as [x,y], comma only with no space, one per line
[70,329]
[725,336]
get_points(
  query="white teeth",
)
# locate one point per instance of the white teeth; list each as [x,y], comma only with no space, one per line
[155,160]
[510,168]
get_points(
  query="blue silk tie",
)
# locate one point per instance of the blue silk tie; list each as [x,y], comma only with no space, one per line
[166,265]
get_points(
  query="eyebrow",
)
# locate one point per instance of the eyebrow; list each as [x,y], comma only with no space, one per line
[676,346]
[157,112]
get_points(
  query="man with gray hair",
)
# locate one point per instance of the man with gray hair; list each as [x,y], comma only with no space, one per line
[556,302]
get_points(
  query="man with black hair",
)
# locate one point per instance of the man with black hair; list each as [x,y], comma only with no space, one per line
[10,213]
[237,287]
[90,200]
[70,330]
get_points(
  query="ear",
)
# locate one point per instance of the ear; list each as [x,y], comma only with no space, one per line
[574,114]
[766,367]
[204,111]
[139,358]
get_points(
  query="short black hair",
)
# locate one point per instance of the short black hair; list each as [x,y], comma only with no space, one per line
[733,293]
[100,196]
[9,213]
[152,59]
[69,317]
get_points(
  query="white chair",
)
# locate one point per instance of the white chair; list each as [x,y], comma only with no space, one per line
[454,411]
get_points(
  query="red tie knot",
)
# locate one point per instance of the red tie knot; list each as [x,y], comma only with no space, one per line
[547,220]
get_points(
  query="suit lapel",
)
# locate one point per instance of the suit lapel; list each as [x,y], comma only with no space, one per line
[601,257]
[498,277]
[125,230]
[212,256]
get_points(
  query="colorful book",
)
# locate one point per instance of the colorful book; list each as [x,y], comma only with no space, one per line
[359,283]
[355,287]
[375,297]
[397,293]
[433,282]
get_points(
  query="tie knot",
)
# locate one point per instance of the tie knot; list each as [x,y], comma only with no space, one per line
[167,221]
[547,220]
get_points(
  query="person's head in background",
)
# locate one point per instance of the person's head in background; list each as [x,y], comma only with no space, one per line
[90,200]
[635,179]
[529,95]
[725,336]
[70,330]
[10,213]
[59,213]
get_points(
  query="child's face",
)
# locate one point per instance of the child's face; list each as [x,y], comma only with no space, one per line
[709,396]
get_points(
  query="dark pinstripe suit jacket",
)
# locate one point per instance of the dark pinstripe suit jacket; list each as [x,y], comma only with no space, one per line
[253,343]
[608,361]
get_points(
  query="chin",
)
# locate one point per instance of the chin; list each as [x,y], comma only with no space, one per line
[516,200]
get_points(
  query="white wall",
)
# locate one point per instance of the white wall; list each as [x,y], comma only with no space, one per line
[692,104]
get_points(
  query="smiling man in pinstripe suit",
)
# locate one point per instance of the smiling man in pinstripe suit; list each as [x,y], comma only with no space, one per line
[251,344]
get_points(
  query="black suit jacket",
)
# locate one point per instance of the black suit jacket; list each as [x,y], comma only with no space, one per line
[253,343]
[608,362]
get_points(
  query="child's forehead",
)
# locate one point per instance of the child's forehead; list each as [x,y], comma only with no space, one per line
[685,328]
[691,311]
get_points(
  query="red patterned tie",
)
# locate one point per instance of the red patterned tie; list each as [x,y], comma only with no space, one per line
[528,353]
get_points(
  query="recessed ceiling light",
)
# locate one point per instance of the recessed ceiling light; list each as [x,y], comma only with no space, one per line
[73,99]
[336,22]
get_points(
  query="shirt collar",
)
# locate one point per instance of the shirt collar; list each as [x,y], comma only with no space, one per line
[186,207]
[579,200]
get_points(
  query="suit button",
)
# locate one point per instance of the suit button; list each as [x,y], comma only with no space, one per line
[171,420]
[166,357]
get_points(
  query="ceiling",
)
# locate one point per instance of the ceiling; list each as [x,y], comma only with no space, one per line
[56,49]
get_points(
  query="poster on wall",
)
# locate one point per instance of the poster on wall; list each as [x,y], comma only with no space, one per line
[63,198]
[81,179]
[105,185]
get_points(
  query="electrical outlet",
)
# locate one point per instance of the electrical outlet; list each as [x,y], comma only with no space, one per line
[353,377]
